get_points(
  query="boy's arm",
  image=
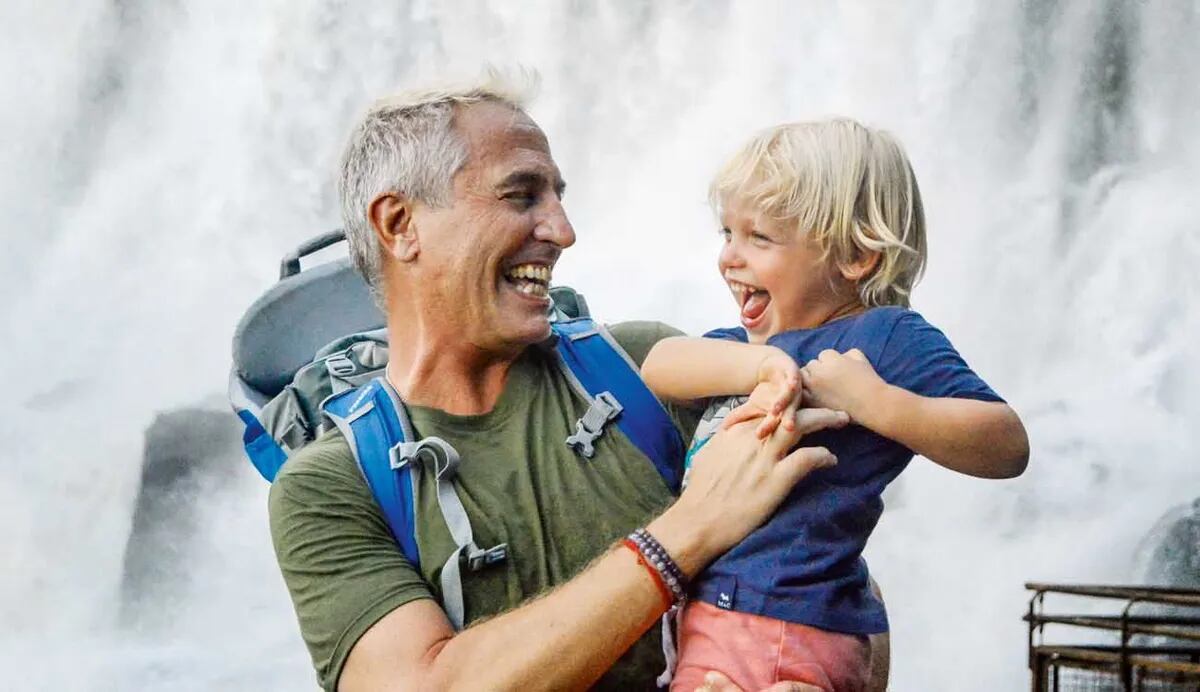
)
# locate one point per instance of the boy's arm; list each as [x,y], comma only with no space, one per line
[978,438]
[682,368]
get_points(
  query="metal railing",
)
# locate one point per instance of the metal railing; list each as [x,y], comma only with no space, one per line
[1156,649]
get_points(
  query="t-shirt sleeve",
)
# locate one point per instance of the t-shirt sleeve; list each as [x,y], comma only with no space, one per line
[728,334]
[637,338]
[918,357]
[341,565]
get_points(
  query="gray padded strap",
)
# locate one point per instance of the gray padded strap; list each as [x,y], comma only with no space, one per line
[452,594]
[438,456]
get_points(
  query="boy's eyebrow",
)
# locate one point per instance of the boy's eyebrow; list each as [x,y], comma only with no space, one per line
[532,179]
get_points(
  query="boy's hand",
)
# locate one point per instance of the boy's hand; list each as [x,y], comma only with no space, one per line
[778,393]
[802,422]
[842,381]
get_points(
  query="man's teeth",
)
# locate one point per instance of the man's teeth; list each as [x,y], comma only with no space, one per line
[531,279]
[537,272]
[533,289]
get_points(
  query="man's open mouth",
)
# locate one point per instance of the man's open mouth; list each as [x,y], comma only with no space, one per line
[530,279]
[752,300]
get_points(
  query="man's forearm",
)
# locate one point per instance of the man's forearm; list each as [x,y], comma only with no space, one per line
[684,368]
[979,438]
[569,637]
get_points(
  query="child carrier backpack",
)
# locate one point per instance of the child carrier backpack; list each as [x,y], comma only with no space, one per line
[309,355]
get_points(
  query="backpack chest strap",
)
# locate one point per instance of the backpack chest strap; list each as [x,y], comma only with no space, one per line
[435,455]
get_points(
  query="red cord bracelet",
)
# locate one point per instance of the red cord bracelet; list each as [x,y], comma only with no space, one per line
[668,599]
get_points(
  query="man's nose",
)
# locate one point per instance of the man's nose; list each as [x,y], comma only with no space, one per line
[554,227]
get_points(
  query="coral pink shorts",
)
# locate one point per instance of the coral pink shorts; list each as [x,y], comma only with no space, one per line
[756,652]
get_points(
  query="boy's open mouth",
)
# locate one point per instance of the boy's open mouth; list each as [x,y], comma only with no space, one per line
[753,302]
[532,280]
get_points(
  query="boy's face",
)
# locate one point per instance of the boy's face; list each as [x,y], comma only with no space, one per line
[776,274]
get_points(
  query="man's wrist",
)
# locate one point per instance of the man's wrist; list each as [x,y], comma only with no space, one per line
[680,530]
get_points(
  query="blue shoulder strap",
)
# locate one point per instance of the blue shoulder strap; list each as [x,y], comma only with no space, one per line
[601,369]
[374,424]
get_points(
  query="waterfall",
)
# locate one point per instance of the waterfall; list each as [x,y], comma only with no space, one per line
[159,157]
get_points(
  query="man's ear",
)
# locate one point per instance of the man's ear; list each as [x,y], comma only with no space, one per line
[861,266]
[391,216]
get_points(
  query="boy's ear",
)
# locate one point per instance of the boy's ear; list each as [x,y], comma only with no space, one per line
[391,217]
[861,266]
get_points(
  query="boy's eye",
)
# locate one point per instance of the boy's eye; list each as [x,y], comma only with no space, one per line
[760,237]
[725,233]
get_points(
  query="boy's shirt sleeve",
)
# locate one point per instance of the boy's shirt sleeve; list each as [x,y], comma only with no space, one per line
[728,334]
[918,357]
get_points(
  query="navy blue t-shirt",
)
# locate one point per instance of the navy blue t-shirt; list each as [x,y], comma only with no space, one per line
[805,564]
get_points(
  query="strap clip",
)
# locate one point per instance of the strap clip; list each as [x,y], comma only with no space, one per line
[478,559]
[444,458]
[603,409]
[341,366]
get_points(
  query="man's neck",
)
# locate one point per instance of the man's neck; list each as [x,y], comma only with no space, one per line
[445,374]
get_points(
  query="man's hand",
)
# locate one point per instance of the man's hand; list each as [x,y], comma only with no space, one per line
[842,381]
[737,481]
[716,682]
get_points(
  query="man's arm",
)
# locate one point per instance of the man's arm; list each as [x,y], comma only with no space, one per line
[979,438]
[569,637]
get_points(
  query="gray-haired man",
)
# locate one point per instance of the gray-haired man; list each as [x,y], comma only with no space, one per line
[452,205]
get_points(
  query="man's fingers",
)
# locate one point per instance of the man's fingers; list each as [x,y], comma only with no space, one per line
[810,420]
[792,687]
[802,462]
[856,354]
[767,426]
[716,682]
[741,414]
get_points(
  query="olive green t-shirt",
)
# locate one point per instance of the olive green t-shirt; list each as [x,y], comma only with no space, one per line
[520,485]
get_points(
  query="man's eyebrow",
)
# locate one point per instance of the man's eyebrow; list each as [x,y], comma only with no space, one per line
[531,179]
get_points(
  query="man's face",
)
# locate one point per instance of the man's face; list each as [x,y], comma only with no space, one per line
[486,259]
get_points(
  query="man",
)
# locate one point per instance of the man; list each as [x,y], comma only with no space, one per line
[452,207]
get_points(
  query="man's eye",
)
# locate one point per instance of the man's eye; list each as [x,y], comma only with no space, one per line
[522,198]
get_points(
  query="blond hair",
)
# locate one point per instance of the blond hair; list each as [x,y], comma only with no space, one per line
[850,186]
[407,144]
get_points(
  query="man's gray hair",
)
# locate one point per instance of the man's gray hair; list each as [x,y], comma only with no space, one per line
[407,144]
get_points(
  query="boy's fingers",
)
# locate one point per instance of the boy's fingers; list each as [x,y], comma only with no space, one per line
[810,420]
[856,355]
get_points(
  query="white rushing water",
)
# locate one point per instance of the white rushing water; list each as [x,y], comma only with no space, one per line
[158,158]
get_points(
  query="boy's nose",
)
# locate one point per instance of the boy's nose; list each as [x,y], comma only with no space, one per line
[729,256]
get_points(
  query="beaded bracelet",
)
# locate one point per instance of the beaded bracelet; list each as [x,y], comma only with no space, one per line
[659,583]
[671,579]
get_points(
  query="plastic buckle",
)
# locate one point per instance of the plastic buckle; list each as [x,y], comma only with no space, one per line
[445,459]
[340,366]
[604,408]
[478,559]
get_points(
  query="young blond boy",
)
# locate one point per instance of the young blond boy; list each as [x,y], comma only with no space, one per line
[824,239]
